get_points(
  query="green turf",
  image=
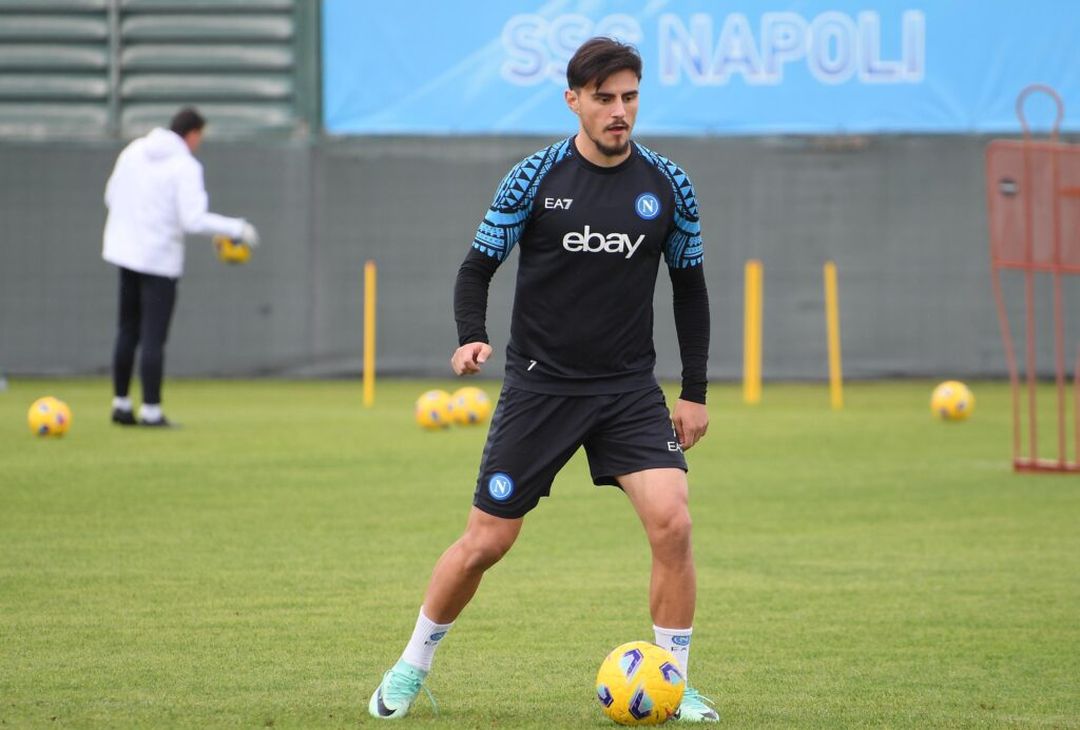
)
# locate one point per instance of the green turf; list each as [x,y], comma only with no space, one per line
[264,564]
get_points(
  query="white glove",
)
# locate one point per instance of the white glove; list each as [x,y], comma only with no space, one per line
[249,235]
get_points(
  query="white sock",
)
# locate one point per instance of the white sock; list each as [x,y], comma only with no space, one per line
[677,641]
[150,411]
[425,640]
[121,404]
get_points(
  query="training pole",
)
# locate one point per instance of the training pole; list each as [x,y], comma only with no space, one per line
[832,327]
[753,278]
[369,333]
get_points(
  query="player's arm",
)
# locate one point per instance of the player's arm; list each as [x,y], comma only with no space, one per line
[496,236]
[691,304]
[683,251]
[470,312]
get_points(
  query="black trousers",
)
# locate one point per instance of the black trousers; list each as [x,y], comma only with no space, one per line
[146,307]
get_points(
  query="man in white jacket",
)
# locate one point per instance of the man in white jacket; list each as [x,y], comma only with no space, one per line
[155,195]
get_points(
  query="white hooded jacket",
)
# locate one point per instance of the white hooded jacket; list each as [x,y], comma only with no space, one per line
[155,195]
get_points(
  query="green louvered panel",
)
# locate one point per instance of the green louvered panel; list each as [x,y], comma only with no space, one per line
[202,28]
[58,87]
[236,60]
[53,6]
[67,119]
[226,58]
[225,119]
[54,68]
[211,5]
[22,28]
[120,67]
[247,87]
[49,57]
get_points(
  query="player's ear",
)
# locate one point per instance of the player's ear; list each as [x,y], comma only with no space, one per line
[571,97]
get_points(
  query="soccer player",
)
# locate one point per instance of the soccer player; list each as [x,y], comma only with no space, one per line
[592,216]
[155,195]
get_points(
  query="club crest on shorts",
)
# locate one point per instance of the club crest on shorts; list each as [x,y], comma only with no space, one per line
[500,486]
[647,206]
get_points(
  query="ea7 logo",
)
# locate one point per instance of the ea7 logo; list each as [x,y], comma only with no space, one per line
[590,242]
[558,203]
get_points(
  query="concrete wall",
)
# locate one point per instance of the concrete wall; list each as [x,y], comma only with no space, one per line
[903,217]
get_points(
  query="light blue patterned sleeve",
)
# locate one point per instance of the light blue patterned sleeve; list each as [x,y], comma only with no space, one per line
[684,247]
[509,212]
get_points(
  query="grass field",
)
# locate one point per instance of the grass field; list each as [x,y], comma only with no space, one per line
[263,565]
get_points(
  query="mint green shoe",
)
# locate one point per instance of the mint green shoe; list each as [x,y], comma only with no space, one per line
[397,691]
[695,708]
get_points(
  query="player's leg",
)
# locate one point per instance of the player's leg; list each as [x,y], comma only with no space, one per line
[660,498]
[635,448]
[127,339]
[458,572]
[531,437]
[453,583]
[158,300]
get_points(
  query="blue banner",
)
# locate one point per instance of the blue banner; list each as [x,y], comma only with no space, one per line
[743,67]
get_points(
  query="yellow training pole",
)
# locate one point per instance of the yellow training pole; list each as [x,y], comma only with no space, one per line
[752,332]
[369,333]
[832,326]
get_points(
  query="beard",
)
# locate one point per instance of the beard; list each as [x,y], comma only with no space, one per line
[611,150]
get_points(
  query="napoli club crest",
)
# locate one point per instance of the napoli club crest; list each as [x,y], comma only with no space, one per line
[647,206]
[500,486]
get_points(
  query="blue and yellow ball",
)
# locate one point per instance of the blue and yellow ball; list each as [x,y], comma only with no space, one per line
[952,401]
[640,683]
[49,416]
[433,409]
[231,251]
[469,406]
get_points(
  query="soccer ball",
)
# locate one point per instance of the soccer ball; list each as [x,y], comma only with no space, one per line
[49,416]
[640,684]
[230,251]
[433,409]
[952,401]
[470,405]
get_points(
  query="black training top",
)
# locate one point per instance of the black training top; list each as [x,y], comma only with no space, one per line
[591,240]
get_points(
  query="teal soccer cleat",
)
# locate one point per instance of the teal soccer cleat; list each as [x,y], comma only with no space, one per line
[397,691]
[695,708]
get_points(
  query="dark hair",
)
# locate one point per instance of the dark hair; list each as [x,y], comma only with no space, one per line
[598,58]
[187,120]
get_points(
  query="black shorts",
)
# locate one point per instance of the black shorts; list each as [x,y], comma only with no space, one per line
[533,435]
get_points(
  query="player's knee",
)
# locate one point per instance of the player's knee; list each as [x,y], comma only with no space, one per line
[484,550]
[671,532]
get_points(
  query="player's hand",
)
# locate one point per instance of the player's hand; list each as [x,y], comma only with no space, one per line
[468,358]
[691,421]
[249,235]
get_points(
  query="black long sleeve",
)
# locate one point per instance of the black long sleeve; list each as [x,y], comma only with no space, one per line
[690,298]
[471,296]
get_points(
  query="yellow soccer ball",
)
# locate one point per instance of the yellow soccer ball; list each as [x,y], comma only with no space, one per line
[49,416]
[640,684]
[433,409]
[952,401]
[469,406]
[231,251]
